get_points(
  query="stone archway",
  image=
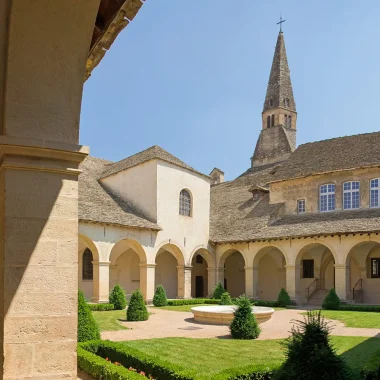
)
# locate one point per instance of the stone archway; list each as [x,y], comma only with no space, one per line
[271,263]
[170,270]
[233,264]
[126,259]
[201,263]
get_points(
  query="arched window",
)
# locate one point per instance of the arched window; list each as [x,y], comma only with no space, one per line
[87,269]
[184,203]
[272,120]
[289,121]
[268,121]
[286,120]
[271,102]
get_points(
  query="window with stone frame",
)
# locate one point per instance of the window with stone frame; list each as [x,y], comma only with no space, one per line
[286,120]
[87,267]
[351,195]
[271,102]
[289,121]
[184,203]
[301,206]
[327,197]
[375,268]
[307,268]
[268,122]
[375,192]
[272,124]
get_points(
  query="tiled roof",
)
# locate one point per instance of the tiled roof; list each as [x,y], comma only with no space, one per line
[99,204]
[154,152]
[336,154]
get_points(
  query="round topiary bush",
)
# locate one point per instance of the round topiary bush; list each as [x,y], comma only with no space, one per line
[218,291]
[244,324]
[117,297]
[225,299]
[332,301]
[137,310]
[87,326]
[283,298]
[159,298]
[309,354]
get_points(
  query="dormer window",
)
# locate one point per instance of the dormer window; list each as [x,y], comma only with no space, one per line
[184,203]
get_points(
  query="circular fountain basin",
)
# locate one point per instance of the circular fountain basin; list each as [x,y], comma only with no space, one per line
[223,315]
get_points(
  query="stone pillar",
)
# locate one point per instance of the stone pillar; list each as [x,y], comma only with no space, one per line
[148,281]
[184,281]
[292,282]
[211,281]
[249,282]
[101,281]
[255,285]
[342,281]
[220,275]
[41,83]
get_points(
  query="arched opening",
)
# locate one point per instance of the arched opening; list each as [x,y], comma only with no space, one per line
[270,262]
[87,254]
[168,259]
[234,272]
[200,263]
[363,261]
[125,259]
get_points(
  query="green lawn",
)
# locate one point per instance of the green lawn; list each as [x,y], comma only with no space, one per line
[188,307]
[224,354]
[110,320]
[354,318]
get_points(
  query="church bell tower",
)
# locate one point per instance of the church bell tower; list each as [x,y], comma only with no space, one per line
[277,139]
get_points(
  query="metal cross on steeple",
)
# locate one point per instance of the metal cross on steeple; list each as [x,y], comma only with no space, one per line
[280,22]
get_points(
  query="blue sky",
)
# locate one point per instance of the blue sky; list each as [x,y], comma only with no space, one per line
[191,76]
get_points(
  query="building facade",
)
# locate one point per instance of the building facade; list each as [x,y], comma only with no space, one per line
[306,218]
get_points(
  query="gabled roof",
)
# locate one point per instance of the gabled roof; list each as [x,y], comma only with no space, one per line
[154,152]
[100,205]
[342,153]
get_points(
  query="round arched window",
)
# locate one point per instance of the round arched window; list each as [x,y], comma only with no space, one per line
[184,203]
[87,268]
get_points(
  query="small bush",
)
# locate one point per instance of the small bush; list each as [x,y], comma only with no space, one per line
[244,324]
[332,301]
[283,298]
[193,301]
[218,291]
[137,309]
[225,299]
[159,298]
[309,354]
[265,303]
[101,306]
[87,326]
[117,297]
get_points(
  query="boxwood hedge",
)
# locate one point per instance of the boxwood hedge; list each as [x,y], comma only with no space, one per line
[101,306]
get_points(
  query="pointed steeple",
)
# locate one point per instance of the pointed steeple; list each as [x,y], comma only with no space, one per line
[279,91]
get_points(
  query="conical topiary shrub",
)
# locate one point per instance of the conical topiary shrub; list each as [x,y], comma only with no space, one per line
[87,326]
[225,299]
[244,324]
[218,291]
[283,298]
[117,297]
[159,298]
[136,310]
[332,301]
[309,354]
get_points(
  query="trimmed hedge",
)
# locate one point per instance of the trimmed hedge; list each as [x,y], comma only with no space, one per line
[332,301]
[226,299]
[265,303]
[118,298]
[283,298]
[91,360]
[88,329]
[137,310]
[368,308]
[160,298]
[193,301]
[101,306]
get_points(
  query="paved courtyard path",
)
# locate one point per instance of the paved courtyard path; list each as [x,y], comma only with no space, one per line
[166,323]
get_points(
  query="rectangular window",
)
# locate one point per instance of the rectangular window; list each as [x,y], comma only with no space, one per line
[327,197]
[375,268]
[301,207]
[351,195]
[374,201]
[308,268]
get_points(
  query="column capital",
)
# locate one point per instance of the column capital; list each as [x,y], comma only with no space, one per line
[249,268]
[101,263]
[185,267]
[145,265]
[292,266]
[340,266]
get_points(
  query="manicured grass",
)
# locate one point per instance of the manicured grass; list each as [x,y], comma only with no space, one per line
[224,354]
[188,307]
[110,320]
[354,318]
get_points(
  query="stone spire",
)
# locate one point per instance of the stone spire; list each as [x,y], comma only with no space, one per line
[279,118]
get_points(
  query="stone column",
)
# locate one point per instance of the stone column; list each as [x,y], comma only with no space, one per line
[249,282]
[148,281]
[255,285]
[41,81]
[342,281]
[211,281]
[101,281]
[220,275]
[184,281]
[292,282]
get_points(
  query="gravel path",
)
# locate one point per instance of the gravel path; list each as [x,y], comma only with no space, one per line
[166,323]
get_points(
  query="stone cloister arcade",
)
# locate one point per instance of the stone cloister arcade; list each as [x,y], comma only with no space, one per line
[257,269]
